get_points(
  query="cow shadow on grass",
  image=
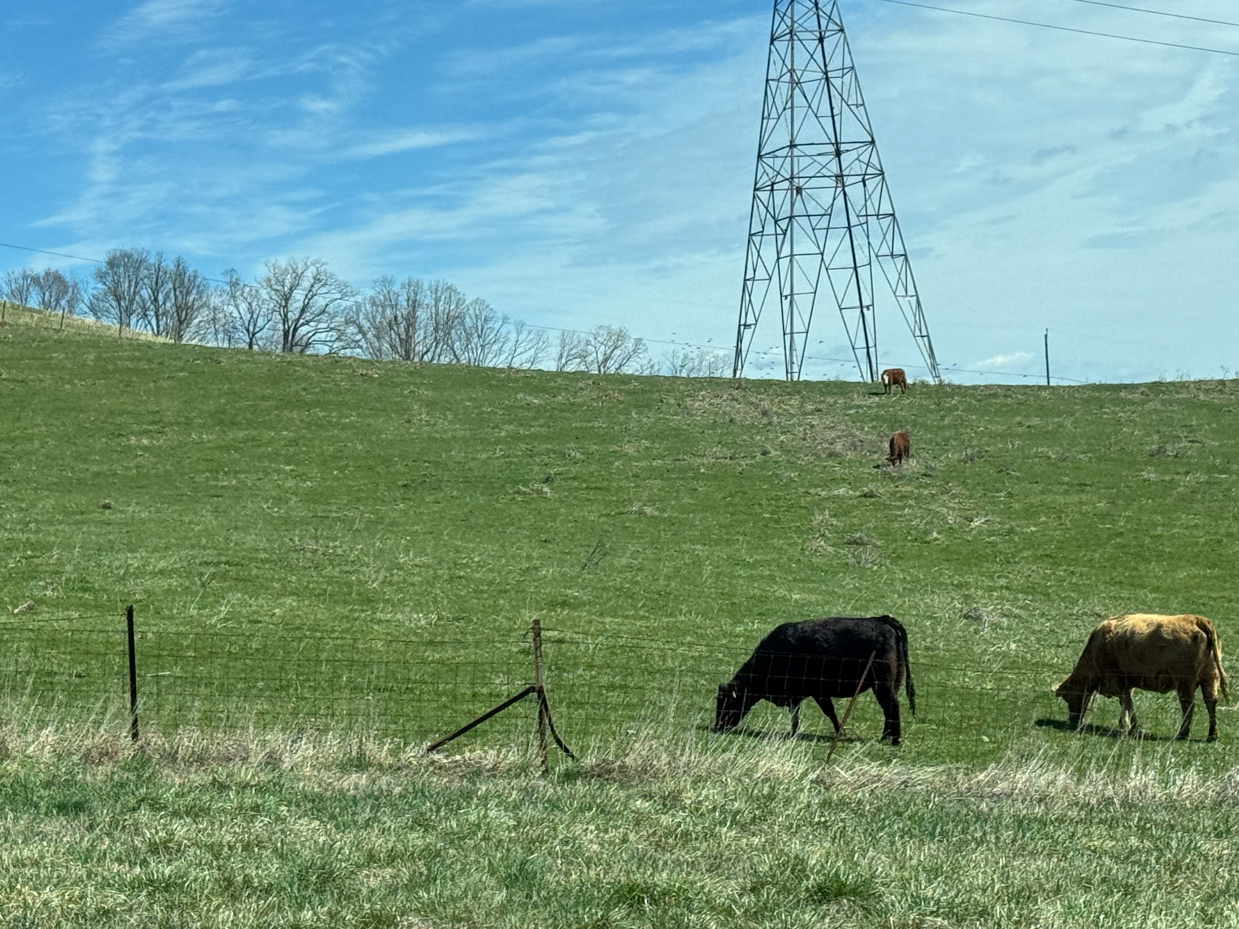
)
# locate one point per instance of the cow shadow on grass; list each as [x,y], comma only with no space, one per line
[1105,732]
[781,735]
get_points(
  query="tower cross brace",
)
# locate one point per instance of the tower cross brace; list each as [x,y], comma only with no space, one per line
[822,217]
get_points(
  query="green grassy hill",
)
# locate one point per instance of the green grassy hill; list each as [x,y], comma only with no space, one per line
[333,561]
[327,538]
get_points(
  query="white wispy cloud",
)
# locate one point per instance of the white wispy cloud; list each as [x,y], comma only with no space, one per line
[575,176]
[405,140]
[1005,361]
[166,19]
[212,67]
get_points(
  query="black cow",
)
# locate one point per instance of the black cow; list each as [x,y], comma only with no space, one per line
[822,658]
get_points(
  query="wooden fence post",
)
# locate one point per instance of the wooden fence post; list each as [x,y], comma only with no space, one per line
[851,703]
[541,692]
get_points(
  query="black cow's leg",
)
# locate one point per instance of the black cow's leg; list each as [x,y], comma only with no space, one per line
[1187,701]
[888,699]
[828,707]
[795,708]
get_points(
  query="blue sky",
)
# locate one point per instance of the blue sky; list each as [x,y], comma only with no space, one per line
[587,162]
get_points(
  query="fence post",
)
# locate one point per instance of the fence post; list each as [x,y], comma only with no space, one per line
[133,678]
[851,703]
[537,683]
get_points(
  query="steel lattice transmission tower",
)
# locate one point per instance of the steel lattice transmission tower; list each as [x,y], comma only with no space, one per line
[822,214]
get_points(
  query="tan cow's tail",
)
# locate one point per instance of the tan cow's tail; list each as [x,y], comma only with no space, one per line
[1215,648]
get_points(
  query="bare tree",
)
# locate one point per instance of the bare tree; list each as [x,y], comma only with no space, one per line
[51,290]
[120,280]
[57,293]
[75,302]
[682,362]
[527,346]
[482,336]
[217,326]
[611,349]
[446,305]
[240,314]
[17,286]
[191,299]
[155,306]
[571,351]
[308,304]
[387,323]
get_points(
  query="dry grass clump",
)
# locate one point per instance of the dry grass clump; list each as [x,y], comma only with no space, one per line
[803,424]
[74,325]
[675,827]
[982,616]
[861,539]
[648,754]
[864,558]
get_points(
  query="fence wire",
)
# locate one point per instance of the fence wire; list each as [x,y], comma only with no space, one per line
[420,688]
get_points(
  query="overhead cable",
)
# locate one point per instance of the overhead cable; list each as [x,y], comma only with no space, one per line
[1029,22]
[1140,9]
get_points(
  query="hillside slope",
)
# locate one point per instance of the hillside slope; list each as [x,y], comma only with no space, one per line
[658,527]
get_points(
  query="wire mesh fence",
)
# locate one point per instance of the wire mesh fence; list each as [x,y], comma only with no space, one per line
[419,688]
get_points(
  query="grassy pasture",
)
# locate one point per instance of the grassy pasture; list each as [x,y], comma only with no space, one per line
[334,560]
[273,831]
[315,541]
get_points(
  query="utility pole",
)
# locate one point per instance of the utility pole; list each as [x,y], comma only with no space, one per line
[822,217]
[1047,358]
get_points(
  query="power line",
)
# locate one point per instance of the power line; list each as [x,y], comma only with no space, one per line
[1028,22]
[98,261]
[43,251]
[1139,9]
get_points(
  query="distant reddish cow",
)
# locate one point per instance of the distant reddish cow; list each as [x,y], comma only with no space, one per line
[901,447]
[892,378]
[1149,652]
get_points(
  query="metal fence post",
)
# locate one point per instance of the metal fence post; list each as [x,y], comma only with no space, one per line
[133,678]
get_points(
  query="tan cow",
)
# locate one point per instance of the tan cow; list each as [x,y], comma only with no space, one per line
[892,378]
[1149,652]
[901,447]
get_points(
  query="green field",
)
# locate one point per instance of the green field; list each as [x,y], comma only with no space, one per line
[269,832]
[327,541]
[332,561]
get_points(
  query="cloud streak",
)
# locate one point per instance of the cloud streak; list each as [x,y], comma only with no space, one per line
[162,20]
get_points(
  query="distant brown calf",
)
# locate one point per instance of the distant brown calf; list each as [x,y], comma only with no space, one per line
[901,447]
[892,378]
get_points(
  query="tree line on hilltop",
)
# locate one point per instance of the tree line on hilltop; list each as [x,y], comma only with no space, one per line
[300,306]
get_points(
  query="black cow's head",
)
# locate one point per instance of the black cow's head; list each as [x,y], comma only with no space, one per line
[729,708]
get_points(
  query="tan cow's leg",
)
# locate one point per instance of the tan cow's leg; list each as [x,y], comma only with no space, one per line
[1187,700]
[1127,716]
[1208,690]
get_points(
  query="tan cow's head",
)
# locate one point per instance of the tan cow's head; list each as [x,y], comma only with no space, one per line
[1078,697]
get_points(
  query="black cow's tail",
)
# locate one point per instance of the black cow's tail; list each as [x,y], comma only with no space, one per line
[901,646]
